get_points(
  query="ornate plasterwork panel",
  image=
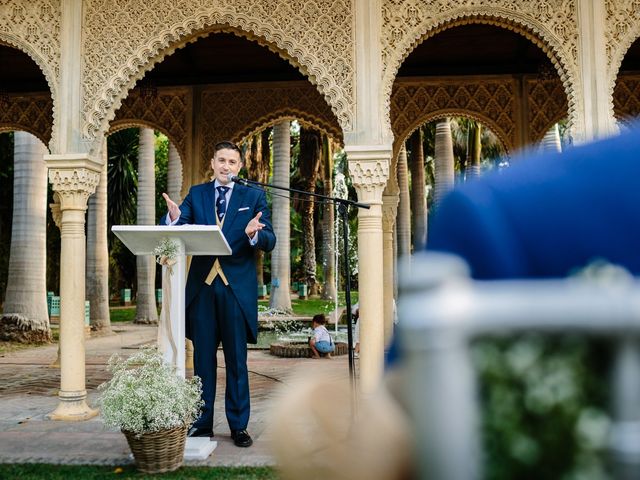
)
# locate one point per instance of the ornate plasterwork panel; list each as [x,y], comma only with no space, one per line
[32,113]
[547,104]
[622,28]
[491,101]
[230,112]
[626,97]
[123,39]
[169,112]
[550,24]
[34,28]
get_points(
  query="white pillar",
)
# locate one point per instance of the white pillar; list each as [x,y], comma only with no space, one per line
[74,177]
[146,310]
[369,169]
[389,214]
[280,256]
[595,112]
[25,316]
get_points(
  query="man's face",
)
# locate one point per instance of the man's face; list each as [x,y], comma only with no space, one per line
[225,162]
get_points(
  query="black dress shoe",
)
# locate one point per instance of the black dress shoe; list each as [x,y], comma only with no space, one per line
[200,432]
[241,438]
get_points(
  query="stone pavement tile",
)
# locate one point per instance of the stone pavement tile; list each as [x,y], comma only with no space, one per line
[28,389]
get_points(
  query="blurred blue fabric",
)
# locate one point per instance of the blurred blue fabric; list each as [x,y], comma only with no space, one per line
[549,214]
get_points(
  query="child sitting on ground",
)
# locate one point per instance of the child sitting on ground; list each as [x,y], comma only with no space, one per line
[321,341]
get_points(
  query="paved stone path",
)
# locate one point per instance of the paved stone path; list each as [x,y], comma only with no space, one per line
[29,385]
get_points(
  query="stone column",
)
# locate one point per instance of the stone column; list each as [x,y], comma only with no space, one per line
[280,257]
[74,177]
[98,253]
[404,206]
[369,169]
[389,213]
[174,174]
[146,309]
[595,110]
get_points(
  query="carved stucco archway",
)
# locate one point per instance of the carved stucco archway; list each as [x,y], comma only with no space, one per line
[5,128]
[34,29]
[319,45]
[535,20]
[622,29]
[32,113]
[303,117]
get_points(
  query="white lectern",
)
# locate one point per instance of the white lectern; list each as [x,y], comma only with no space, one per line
[190,240]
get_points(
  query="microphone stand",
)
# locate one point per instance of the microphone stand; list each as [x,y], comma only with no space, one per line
[343,210]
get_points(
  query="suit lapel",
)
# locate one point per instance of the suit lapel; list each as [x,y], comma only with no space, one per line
[237,195]
[209,199]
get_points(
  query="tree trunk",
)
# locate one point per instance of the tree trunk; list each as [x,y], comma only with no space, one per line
[281,254]
[25,318]
[473,169]
[418,198]
[309,165]
[146,310]
[443,160]
[328,226]
[551,141]
[258,169]
[403,223]
[97,267]
[174,175]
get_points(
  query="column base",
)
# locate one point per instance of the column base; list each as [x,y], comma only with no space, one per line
[72,407]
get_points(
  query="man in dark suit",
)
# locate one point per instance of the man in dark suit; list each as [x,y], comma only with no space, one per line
[221,294]
[548,215]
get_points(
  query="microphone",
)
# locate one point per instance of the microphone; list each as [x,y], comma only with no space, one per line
[234,178]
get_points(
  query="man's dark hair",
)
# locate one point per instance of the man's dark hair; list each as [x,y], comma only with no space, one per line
[226,144]
[319,319]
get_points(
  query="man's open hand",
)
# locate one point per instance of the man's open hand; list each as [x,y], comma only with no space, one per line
[254,225]
[174,210]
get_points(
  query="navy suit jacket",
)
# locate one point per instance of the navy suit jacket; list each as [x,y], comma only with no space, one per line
[239,267]
[548,215]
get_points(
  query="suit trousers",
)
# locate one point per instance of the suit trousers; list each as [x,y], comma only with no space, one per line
[215,317]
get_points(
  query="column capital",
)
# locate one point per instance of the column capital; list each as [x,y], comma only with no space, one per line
[369,170]
[74,178]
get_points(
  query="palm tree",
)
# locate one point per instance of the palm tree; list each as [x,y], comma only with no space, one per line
[257,164]
[551,141]
[25,318]
[146,309]
[280,256]
[418,198]
[97,266]
[309,162]
[328,224]
[403,222]
[443,158]
[174,174]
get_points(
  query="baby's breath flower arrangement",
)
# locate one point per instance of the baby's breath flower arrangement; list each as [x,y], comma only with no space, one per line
[145,395]
[166,251]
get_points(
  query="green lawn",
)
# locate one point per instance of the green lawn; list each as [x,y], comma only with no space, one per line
[66,472]
[304,308]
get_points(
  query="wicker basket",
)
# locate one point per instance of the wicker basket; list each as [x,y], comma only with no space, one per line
[158,452]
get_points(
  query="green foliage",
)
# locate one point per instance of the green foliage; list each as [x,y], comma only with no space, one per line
[35,471]
[145,395]
[161,169]
[543,407]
